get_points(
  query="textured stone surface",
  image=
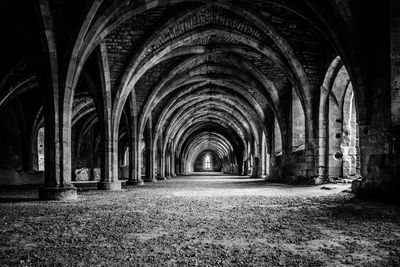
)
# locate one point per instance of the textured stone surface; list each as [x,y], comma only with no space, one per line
[82,174]
[208,77]
[204,221]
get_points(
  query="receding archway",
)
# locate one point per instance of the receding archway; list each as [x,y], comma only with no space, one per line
[339,147]
[207,161]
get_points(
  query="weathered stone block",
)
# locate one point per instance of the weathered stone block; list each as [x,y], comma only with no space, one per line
[112,186]
[82,174]
[58,193]
[96,174]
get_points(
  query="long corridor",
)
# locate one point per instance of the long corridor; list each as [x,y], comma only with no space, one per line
[203,219]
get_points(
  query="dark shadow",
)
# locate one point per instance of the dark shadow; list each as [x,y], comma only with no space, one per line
[362,210]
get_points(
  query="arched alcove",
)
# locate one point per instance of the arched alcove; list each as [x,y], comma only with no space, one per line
[207,162]
[338,105]
[40,149]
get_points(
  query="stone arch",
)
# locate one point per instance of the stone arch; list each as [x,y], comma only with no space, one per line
[338,135]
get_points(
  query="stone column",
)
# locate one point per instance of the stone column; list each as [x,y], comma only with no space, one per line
[162,167]
[150,177]
[245,166]
[57,175]
[177,165]
[109,176]
[162,158]
[57,185]
[167,164]
[263,157]
[256,165]
[395,64]
[109,168]
[172,155]
[245,163]
[134,175]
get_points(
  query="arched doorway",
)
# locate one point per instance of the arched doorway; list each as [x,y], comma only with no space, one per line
[339,145]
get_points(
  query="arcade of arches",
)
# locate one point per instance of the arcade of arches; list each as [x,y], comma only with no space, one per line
[130,91]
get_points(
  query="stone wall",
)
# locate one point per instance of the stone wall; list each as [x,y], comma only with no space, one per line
[298,124]
[86,163]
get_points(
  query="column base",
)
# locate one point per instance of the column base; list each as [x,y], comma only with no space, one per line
[320,180]
[162,178]
[153,180]
[112,186]
[131,182]
[139,182]
[58,193]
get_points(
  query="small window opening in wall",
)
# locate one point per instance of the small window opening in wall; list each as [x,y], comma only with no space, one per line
[207,162]
[40,149]
[126,156]
[338,156]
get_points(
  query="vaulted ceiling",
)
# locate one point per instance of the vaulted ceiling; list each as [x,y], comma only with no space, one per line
[211,75]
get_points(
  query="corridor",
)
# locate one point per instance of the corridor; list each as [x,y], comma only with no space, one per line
[203,219]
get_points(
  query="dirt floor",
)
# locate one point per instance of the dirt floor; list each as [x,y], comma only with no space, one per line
[203,220]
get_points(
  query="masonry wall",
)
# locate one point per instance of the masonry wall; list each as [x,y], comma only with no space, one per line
[12,140]
[86,162]
[379,136]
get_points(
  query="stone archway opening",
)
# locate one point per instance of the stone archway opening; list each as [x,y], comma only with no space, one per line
[40,149]
[350,138]
[207,162]
[343,145]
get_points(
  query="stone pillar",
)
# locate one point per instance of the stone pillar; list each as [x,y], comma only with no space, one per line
[395,63]
[263,157]
[57,185]
[109,168]
[245,166]
[167,166]
[162,167]
[245,160]
[57,175]
[177,165]
[172,155]
[240,169]
[150,177]
[134,175]
[256,168]
[109,178]
[162,158]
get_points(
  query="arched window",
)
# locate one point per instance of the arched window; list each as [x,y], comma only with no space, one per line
[40,149]
[278,139]
[126,156]
[207,162]
[298,122]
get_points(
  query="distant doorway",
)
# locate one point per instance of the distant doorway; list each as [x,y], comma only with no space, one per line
[207,163]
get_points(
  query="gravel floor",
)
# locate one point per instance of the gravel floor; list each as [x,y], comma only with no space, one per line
[203,220]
